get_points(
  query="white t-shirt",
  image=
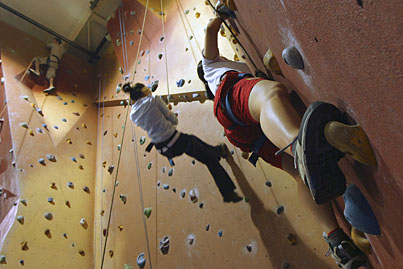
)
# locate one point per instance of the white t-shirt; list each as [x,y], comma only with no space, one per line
[213,70]
[56,50]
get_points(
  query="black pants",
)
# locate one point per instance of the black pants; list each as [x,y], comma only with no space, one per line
[206,154]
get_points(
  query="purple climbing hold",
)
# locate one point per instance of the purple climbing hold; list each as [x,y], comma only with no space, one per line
[180,83]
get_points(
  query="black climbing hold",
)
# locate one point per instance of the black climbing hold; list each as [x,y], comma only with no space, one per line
[285,265]
[154,85]
[201,205]
[193,161]
[174,190]
[280,210]
[164,245]
[207,227]
[268,183]
[249,248]
[160,56]
[293,58]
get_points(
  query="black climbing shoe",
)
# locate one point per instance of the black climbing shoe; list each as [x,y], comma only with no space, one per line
[343,250]
[232,197]
[315,158]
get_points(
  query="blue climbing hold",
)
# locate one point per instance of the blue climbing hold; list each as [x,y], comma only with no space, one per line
[56,127]
[358,211]
[141,260]
[73,101]
[180,83]
[44,125]
[220,233]
[64,120]
[74,159]
[65,103]
[147,51]
[147,77]
[165,186]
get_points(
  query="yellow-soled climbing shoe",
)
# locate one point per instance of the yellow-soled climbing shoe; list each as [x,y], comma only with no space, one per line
[350,139]
[360,240]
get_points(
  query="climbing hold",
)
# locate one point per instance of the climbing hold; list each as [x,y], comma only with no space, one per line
[111,253]
[65,235]
[280,210]
[220,233]
[115,134]
[160,56]
[141,260]
[190,37]
[165,186]
[24,245]
[193,162]
[65,103]
[147,77]
[31,133]
[187,11]
[147,211]
[191,239]
[128,266]
[117,42]
[123,197]
[84,125]
[25,97]
[246,199]
[132,13]
[163,170]
[82,252]
[64,120]
[142,140]
[249,248]
[81,156]
[164,245]
[158,184]
[193,195]
[24,202]
[40,112]
[89,142]
[110,169]
[170,172]
[120,228]
[104,164]
[70,185]
[201,205]
[21,220]
[76,114]
[271,64]
[149,165]
[147,51]
[292,239]
[59,98]
[39,130]
[68,140]
[268,183]
[42,161]
[24,125]
[183,193]
[236,58]
[196,95]
[48,216]
[119,88]
[81,167]
[47,233]
[83,223]
[3,259]
[67,203]
[73,101]
[118,116]
[162,38]
[358,211]
[207,227]
[197,15]
[180,83]
[285,265]
[174,190]
[51,200]
[53,186]
[292,57]
[121,70]
[51,157]
[86,189]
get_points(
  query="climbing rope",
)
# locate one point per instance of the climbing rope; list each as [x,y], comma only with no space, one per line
[190,26]
[165,45]
[234,35]
[123,39]
[187,35]
[141,38]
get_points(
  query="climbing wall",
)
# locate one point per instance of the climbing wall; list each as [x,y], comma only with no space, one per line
[143,203]
[53,152]
[163,50]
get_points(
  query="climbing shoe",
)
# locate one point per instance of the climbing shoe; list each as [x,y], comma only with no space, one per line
[343,250]
[49,90]
[352,140]
[315,158]
[33,71]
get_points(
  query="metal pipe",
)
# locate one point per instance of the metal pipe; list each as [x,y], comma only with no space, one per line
[22,16]
[95,54]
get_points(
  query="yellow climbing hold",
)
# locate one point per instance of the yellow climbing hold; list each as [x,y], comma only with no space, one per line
[197,15]
[68,140]
[236,58]
[31,133]
[352,140]
[118,116]
[120,227]
[84,125]
[115,134]
[360,240]
[81,167]
[270,62]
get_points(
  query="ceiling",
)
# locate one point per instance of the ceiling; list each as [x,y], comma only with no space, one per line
[72,19]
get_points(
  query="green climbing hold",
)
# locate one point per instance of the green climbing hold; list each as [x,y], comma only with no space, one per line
[128,266]
[246,199]
[149,165]
[142,140]
[147,212]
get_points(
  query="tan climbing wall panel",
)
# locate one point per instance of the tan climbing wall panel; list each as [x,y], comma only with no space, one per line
[253,224]
[55,242]
[184,40]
